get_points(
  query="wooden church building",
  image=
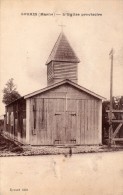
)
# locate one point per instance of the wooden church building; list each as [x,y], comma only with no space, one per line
[63,112]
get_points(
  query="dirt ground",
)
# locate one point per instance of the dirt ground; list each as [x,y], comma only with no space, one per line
[80,174]
[9,148]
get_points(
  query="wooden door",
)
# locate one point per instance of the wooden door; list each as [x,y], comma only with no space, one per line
[59,116]
[71,121]
[59,128]
[65,127]
[71,127]
[65,121]
[67,130]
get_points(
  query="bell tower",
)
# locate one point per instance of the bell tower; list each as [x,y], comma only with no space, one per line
[62,63]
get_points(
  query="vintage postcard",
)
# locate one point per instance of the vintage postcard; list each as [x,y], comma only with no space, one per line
[61,97]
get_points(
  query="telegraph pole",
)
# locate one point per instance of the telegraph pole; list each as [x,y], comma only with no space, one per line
[111,95]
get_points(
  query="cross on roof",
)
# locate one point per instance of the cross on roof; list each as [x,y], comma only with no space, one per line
[62,26]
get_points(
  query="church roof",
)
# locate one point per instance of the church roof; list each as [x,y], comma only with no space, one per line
[66,81]
[62,51]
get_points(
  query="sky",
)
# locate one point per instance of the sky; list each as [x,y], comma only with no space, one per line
[26,42]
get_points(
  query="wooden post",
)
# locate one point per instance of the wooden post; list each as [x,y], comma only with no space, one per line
[111,95]
[66,103]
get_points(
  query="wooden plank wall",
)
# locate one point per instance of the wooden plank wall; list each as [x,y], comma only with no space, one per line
[81,117]
[58,71]
[88,122]
[75,122]
[16,125]
[65,70]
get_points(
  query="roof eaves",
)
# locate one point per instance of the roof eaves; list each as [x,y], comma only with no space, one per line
[43,90]
[86,90]
[60,83]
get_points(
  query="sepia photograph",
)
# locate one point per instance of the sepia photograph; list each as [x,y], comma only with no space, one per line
[61,97]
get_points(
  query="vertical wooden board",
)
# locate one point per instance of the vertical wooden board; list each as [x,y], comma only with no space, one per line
[39,137]
[100,121]
[61,105]
[55,120]
[63,128]
[33,136]
[16,127]
[67,126]
[56,132]
[38,106]
[31,121]
[74,127]
[96,123]
[14,115]
[42,121]
[40,113]
[51,119]
[71,128]
[89,122]
[97,114]
[53,109]
[43,124]
[28,121]
[92,122]
[4,125]
[78,138]
[59,131]
[57,127]
[24,128]
[48,131]
[72,105]
[82,121]
[47,123]
[36,120]
[86,121]
[9,129]
[98,117]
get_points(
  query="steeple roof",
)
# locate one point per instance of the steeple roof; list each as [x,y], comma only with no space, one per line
[62,51]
